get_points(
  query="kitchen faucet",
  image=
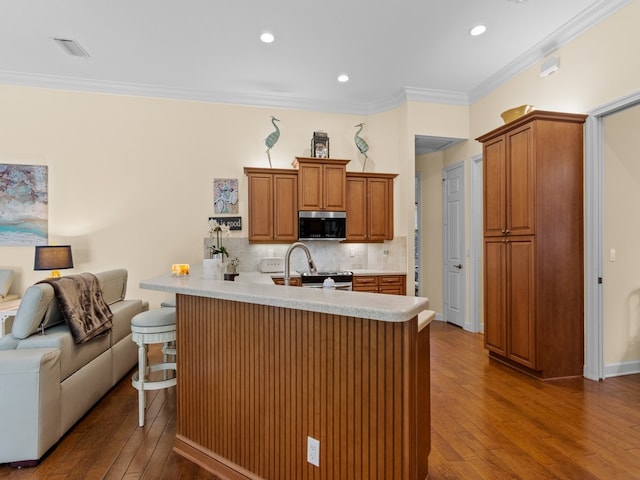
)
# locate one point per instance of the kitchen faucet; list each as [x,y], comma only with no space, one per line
[287,260]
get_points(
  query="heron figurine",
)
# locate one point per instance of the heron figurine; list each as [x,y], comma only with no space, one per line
[272,139]
[361,144]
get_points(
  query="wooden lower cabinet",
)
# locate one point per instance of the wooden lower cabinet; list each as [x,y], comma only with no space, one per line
[293,282]
[390,284]
[509,299]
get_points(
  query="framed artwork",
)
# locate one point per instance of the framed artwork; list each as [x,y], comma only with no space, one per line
[225,195]
[23,204]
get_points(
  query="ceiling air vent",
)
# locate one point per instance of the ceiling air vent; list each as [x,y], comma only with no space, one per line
[71,47]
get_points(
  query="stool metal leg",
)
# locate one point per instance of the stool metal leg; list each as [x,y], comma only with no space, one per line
[142,376]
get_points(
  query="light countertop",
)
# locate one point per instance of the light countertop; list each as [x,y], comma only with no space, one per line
[360,272]
[258,288]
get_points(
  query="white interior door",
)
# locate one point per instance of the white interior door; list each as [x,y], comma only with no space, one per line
[453,244]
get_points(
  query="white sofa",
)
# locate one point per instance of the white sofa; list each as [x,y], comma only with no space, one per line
[48,382]
[6,279]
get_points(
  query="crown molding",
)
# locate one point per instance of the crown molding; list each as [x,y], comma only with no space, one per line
[154,91]
[436,96]
[578,25]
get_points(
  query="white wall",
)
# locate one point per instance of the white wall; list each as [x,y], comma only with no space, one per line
[429,168]
[130,178]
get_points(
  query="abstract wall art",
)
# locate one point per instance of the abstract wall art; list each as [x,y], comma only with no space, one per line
[225,195]
[23,204]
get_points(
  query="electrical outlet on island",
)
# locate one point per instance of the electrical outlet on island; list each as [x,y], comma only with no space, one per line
[313,451]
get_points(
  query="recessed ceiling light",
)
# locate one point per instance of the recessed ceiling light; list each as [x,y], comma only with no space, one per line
[267,37]
[477,30]
[343,77]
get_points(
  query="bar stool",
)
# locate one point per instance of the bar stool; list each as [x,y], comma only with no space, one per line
[153,326]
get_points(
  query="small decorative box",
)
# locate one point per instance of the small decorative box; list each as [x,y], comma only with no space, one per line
[320,145]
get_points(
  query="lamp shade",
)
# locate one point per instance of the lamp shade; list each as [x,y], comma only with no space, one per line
[53,257]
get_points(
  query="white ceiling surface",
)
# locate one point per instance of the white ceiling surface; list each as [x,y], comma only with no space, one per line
[209,50]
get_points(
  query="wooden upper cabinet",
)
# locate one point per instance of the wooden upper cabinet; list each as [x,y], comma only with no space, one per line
[509,188]
[495,199]
[521,181]
[321,184]
[369,207]
[273,206]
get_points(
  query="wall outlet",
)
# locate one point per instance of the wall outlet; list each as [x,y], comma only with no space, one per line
[313,451]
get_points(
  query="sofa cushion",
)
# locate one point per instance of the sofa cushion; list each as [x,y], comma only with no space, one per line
[73,356]
[113,284]
[6,279]
[123,312]
[53,315]
[8,342]
[33,307]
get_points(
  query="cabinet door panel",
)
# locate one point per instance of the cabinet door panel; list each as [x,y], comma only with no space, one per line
[260,207]
[285,207]
[334,188]
[392,290]
[356,208]
[494,187]
[495,334]
[521,302]
[310,187]
[379,214]
[521,182]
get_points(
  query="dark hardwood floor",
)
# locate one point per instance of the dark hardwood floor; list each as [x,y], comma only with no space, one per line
[488,422]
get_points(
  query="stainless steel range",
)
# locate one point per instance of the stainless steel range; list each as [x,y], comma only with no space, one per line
[343,280]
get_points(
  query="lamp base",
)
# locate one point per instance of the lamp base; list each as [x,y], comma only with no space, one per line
[54,274]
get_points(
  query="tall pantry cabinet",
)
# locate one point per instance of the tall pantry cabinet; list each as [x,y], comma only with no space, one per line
[533,243]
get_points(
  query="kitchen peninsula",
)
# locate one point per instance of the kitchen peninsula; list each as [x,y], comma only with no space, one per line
[263,367]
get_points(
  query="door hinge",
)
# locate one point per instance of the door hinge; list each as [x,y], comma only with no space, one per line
[599,280]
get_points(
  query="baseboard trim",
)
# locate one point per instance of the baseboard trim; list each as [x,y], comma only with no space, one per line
[619,369]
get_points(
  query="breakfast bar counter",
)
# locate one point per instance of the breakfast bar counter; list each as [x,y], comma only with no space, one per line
[263,367]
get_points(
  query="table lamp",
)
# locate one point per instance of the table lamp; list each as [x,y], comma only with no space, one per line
[54,258]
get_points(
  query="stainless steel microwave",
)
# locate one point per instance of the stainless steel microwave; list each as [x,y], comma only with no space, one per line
[322,225]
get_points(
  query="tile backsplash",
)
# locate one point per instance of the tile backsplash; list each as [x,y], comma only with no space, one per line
[328,255]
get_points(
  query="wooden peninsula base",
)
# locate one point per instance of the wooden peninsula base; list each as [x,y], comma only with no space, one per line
[254,381]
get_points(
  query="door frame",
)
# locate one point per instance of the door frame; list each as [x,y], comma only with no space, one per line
[445,243]
[475,261]
[594,234]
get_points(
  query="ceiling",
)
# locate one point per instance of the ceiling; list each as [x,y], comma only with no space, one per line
[209,50]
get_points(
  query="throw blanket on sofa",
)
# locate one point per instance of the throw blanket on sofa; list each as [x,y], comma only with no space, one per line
[82,305]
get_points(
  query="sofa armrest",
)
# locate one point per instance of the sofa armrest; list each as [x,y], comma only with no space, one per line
[29,402]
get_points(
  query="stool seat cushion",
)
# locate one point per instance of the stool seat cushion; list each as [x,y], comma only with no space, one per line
[161,317]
